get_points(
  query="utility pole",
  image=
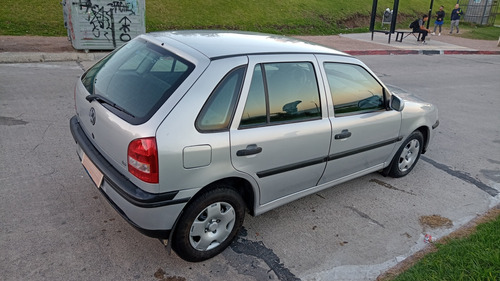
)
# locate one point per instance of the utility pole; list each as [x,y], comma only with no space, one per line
[430,13]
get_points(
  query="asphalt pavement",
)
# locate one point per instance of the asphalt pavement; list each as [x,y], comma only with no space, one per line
[17,49]
[55,227]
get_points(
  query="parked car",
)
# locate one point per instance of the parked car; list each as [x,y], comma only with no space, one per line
[184,131]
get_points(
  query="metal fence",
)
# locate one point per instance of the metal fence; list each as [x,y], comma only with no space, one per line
[482,12]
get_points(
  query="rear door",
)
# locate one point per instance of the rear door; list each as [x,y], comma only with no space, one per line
[364,130]
[281,134]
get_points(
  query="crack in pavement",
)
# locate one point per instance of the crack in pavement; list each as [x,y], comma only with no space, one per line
[365,216]
[260,251]
[384,184]
[463,176]
[10,121]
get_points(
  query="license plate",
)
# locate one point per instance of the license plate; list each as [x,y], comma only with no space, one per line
[92,170]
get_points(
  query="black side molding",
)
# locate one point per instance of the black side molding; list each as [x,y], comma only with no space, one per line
[363,149]
[346,134]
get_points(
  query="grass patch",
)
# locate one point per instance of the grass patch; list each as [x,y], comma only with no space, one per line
[480,32]
[292,17]
[468,254]
[41,17]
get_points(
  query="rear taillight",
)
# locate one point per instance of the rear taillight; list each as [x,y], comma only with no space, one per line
[143,159]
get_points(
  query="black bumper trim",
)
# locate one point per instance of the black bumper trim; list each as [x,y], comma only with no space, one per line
[161,234]
[116,180]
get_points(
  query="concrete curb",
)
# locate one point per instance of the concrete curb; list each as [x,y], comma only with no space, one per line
[25,57]
[420,52]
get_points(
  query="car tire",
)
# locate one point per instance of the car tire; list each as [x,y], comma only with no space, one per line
[407,155]
[209,224]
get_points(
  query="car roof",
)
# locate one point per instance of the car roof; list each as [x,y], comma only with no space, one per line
[220,43]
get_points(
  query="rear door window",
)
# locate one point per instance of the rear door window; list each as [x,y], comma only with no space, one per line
[138,78]
[282,93]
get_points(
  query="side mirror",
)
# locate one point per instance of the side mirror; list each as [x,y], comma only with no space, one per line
[397,103]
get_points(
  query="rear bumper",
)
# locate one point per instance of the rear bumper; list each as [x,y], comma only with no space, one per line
[151,214]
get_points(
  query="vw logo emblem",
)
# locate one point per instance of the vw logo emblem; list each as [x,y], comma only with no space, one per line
[92,115]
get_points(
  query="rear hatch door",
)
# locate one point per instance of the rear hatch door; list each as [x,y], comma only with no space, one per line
[127,95]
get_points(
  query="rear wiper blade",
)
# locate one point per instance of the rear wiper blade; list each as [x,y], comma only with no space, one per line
[102,99]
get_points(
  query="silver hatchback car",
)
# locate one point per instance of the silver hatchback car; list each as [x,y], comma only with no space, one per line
[184,131]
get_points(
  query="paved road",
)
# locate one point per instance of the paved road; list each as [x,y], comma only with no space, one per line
[54,225]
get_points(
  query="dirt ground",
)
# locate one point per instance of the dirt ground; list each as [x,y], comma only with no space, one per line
[35,44]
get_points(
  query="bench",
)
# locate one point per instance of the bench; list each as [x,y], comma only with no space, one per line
[400,35]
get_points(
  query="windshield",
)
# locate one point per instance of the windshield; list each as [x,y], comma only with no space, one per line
[137,78]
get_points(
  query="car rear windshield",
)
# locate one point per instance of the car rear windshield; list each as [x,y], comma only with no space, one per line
[136,79]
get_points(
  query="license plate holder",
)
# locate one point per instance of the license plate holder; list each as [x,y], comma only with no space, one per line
[92,170]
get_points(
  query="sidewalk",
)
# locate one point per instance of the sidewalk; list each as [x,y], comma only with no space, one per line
[15,49]
[361,44]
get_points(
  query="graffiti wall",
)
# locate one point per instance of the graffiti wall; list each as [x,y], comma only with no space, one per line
[103,24]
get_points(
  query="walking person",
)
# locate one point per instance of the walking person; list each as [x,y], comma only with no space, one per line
[439,20]
[455,17]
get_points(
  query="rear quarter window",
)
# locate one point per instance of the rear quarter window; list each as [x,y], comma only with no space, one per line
[218,111]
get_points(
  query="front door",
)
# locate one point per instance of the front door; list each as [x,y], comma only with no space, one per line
[364,130]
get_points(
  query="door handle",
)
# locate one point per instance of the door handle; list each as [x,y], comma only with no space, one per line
[343,135]
[250,150]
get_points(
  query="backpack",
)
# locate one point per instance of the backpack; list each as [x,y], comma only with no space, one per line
[414,25]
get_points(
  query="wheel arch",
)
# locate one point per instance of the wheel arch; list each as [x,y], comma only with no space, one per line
[424,130]
[242,186]
[426,134]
